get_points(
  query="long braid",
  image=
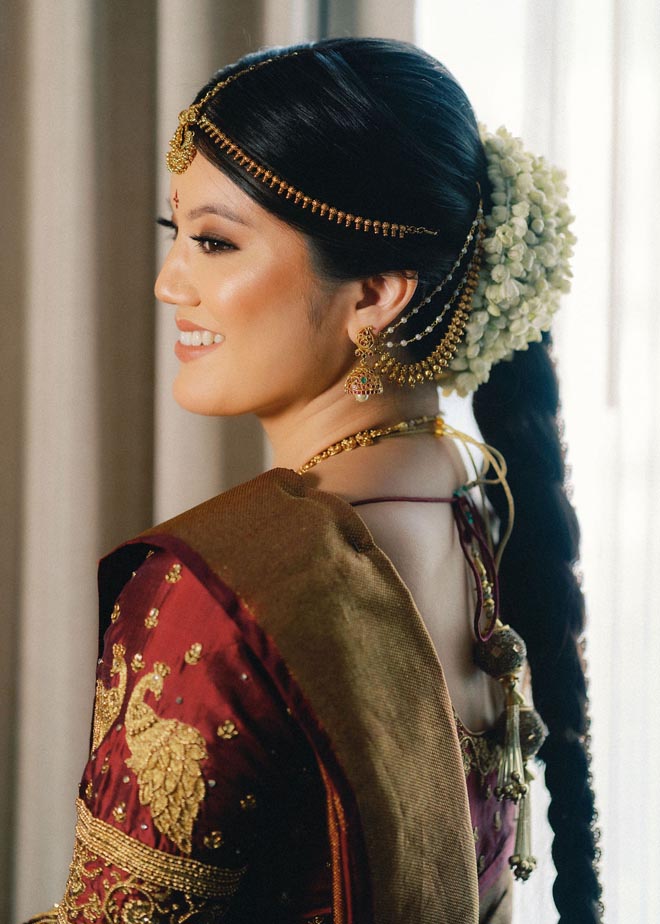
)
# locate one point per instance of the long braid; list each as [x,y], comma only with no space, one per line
[516,411]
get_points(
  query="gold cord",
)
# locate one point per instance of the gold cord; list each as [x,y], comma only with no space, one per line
[436,425]
[492,458]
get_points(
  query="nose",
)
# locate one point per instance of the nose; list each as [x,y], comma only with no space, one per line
[174,285]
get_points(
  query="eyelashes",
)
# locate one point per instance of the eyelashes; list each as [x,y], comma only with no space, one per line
[207,243]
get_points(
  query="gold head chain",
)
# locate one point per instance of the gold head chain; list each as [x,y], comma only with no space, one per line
[182,150]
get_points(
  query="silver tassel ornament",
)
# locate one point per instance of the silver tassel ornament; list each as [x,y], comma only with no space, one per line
[522,862]
[511,783]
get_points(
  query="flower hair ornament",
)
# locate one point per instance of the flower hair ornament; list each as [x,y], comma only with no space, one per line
[499,295]
[509,291]
[526,267]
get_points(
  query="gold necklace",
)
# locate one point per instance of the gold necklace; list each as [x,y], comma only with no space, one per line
[432,424]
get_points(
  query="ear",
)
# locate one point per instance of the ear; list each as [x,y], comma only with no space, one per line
[379,300]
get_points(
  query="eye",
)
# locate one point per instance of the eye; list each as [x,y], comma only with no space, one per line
[167,223]
[209,244]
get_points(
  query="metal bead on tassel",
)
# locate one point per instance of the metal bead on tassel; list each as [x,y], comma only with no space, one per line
[533,732]
[503,654]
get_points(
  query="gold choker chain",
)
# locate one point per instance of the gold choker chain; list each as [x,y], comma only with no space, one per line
[368,437]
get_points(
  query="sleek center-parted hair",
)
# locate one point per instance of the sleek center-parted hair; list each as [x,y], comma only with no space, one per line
[380,128]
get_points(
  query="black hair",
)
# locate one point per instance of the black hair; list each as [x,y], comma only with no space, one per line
[379,128]
[517,411]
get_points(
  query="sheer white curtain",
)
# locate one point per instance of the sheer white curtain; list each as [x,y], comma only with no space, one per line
[580,82]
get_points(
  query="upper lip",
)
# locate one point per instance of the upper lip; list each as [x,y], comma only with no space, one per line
[185,324]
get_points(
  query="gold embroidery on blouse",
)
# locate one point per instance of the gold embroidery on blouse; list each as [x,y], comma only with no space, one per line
[165,756]
[213,840]
[151,619]
[104,884]
[119,812]
[227,730]
[174,574]
[116,613]
[161,869]
[137,662]
[249,802]
[109,701]
[194,653]
[479,751]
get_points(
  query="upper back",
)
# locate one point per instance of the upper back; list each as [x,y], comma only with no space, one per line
[421,540]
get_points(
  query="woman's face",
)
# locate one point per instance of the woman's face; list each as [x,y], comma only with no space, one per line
[244,288]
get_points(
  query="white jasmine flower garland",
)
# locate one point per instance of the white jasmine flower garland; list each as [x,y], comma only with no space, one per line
[526,268]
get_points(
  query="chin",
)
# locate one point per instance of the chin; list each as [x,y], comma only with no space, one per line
[215,398]
[206,402]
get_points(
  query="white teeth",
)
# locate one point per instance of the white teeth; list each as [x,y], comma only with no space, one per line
[199,338]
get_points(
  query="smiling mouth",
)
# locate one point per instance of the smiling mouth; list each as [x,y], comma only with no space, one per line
[198,338]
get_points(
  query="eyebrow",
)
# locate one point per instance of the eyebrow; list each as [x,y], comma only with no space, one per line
[221,210]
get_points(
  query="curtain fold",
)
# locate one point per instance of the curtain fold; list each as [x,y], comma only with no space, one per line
[86,372]
[13,246]
[98,448]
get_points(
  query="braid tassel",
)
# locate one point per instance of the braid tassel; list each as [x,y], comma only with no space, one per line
[511,783]
[522,862]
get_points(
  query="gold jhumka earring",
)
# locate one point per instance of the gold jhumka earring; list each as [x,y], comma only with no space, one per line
[363,381]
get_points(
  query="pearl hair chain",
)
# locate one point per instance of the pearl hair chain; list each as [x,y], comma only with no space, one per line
[474,227]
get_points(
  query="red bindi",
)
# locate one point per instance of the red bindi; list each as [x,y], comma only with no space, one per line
[176,198]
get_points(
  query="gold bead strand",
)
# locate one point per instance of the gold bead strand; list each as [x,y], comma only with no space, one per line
[438,360]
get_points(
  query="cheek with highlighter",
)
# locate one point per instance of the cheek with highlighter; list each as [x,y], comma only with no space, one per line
[251,345]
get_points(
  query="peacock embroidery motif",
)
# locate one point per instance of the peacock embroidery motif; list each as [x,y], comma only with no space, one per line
[166,757]
[108,702]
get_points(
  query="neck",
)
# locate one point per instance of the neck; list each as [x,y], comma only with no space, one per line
[299,433]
